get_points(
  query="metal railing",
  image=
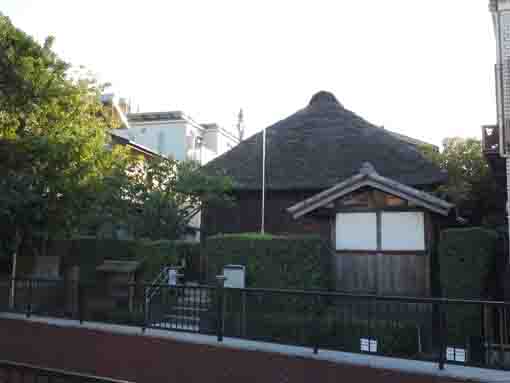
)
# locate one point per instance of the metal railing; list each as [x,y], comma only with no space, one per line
[457,331]
[12,372]
[161,279]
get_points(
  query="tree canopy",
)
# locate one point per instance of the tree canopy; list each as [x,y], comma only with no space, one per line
[471,185]
[59,173]
[53,131]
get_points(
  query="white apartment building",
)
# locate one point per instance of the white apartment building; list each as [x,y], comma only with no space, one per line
[174,134]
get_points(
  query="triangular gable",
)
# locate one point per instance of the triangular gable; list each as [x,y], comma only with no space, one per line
[369,177]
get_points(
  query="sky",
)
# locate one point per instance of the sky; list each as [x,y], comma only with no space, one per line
[420,68]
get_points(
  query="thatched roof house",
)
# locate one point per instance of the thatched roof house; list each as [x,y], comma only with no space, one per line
[361,187]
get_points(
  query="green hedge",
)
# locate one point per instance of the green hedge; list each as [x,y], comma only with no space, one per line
[467,258]
[331,329]
[299,262]
[88,253]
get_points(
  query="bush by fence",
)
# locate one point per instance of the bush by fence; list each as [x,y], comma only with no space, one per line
[467,259]
[88,253]
[300,262]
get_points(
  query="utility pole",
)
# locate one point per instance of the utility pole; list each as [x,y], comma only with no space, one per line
[240,125]
[500,10]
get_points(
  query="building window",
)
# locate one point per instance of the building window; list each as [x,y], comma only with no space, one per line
[356,231]
[380,231]
[402,231]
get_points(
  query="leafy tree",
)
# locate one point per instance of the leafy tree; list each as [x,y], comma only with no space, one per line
[158,198]
[55,127]
[61,175]
[471,185]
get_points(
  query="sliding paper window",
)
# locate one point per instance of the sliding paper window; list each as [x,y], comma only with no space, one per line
[402,231]
[380,231]
[356,231]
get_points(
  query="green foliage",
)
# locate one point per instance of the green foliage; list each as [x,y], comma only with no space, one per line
[335,328]
[470,185]
[53,131]
[272,262]
[59,176]
[157,198]
[88,253]
[467,260]
[467,257]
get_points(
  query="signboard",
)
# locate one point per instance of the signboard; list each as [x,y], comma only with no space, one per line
[172,277]
[235,276]
[368,345]
[456,354]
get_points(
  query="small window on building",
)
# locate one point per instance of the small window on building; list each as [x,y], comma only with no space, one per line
[356,231]
[402,231]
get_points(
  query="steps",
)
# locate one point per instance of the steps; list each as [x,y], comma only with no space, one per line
[186,313]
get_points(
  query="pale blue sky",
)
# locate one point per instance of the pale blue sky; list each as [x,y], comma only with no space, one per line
[424,69]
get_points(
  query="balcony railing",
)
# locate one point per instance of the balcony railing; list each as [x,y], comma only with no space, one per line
[490,139]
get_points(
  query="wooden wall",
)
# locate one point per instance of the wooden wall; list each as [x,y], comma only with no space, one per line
[245,215]
[384,274]
[381,272]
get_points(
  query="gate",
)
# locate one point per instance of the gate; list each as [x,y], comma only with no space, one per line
[182,307]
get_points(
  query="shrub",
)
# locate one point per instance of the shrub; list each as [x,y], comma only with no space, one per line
[88,253]
[467,257]
[300,262]
[467,260]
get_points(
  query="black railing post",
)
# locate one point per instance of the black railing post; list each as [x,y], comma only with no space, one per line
[80,299]
[243,313]
[316,323]
[220,293]
[442,336]
[146,308]
[29,305]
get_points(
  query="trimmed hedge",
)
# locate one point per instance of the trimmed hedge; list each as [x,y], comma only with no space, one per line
[298,262]
[467,257]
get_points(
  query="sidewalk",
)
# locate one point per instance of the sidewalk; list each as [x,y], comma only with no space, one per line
[123,352]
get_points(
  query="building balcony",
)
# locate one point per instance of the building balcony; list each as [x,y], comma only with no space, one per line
[490,139]
[490,148]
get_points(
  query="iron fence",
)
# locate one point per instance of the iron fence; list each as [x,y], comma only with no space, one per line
[457,331]
[13,372]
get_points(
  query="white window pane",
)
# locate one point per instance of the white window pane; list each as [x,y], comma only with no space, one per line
[356,231]
[403,231]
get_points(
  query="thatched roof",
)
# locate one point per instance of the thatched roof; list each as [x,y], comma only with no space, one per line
[320,146]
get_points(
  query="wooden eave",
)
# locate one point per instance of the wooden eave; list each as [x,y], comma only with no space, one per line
[368,177]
